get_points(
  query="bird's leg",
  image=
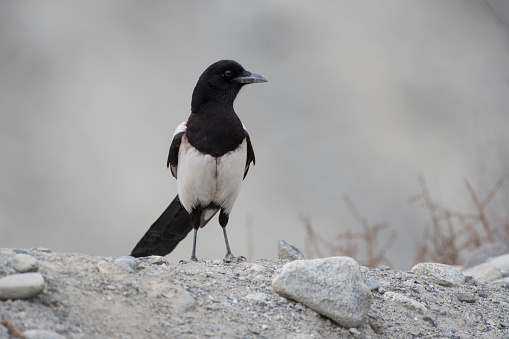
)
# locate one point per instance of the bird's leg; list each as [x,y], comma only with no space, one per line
[195,222]
[193,254]
[229,257]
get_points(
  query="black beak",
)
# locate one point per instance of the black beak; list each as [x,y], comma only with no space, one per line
[250,78]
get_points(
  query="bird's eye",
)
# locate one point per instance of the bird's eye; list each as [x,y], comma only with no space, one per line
[228,74]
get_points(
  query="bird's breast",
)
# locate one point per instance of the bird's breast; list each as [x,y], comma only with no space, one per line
[204,180]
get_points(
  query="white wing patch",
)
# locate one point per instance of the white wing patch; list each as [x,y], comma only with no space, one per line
[180,128]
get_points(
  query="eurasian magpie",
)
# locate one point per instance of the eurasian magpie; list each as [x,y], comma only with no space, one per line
[210,155]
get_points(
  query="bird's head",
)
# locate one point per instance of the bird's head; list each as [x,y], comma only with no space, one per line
[221,82]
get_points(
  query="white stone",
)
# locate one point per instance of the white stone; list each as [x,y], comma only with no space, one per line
[21,286]
[445,275]
[42,334]
[333,287]
[24,263]
[288,251]
[405,301]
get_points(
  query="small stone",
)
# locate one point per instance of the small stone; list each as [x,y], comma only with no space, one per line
[21,286]
[181,299]
[430,320]
[355,331]
[372,283]
[485,271]
[127,262]
[373,316]
[153,260]
[466,298]
[48,300]
[448,334]
[42,334]
[333,287]
[257,297]
[445,275]
[24,263]
[405,301]
[44,249]
[288,251]
[21,251]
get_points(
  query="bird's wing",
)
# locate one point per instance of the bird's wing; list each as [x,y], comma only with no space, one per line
[250,153]
[173,154]
[165,233]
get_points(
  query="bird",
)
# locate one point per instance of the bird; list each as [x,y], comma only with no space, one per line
[210,155]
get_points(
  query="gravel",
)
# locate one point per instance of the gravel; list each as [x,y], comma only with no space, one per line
[101,297]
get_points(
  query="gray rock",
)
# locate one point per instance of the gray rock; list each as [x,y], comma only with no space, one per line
[151,260]
[409,303]
[467,298]
[127,262]
[288,251]
[482,253]
[42,334]
[181,299]
[373,284]
[333,287]
[21,286]
[485,271]
[257,297]
[500,262]
[24,263]
[445,275]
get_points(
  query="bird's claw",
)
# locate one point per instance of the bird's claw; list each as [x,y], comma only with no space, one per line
[229,258]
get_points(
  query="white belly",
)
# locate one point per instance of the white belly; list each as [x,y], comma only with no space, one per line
[203,180]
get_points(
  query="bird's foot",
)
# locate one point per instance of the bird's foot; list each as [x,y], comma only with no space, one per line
[231,258]
[193,259]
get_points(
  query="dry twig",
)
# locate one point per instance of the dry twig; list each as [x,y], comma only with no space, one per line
[451,232]
[349,241]
[12,329]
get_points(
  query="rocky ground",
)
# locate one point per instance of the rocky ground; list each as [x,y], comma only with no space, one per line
[100,297]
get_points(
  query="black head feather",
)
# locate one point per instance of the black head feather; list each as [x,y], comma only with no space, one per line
[213,127]
[220,83]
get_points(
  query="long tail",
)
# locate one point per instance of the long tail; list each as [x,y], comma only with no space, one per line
[166,232]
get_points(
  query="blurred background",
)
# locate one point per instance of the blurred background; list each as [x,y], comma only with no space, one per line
[362,98]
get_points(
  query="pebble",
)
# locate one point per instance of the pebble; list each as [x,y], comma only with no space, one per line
[355,331]
[430,320]
[333,287]
[127,262]
[21,286]
[24,263]
[445,275]
[151,260]
[466,298]
[483,294]
[373,284]
[42,334]
[409,303]
[485,271]
[288,251]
